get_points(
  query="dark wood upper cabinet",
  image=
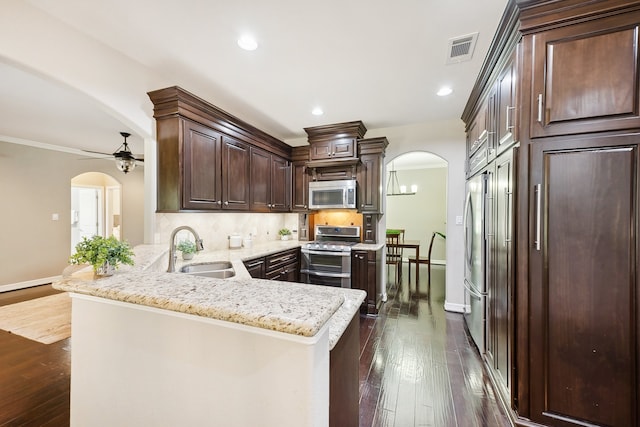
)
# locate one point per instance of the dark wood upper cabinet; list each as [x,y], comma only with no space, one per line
[271,183]
[205,158]
[236,180]
[370,173]
[300,179]
[280,184]
[335,141]
[585,77]
[505,107]
[202,162]
[333,149]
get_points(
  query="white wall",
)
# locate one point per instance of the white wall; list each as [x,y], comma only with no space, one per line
[447,140]
[35,183]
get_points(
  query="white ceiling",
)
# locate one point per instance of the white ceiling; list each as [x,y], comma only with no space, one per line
[372,60]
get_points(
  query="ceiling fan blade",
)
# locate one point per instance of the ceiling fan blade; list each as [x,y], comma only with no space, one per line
[97,152]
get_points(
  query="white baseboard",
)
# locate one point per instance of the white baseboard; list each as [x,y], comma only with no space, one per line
[456,308]
[29,283]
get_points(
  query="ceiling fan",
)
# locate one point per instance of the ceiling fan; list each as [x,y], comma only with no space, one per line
[125,160]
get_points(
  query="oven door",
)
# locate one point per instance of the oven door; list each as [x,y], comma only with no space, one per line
[326,268]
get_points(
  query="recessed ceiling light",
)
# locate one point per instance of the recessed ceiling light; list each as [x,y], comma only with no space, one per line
[317,111]
[247,42]
[444,91]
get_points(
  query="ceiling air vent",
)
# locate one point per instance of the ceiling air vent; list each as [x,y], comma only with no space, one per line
[461,48]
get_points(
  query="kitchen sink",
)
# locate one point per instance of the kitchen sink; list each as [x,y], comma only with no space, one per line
[215,269]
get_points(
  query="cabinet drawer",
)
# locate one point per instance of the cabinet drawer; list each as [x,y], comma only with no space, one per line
[288,272]
[280,259]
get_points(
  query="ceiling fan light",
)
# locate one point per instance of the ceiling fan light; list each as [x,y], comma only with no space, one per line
[125,165]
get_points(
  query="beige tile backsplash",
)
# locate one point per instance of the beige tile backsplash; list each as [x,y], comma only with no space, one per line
[215,228]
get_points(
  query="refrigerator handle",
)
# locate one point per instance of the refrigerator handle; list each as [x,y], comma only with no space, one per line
[538,194]
[466,244]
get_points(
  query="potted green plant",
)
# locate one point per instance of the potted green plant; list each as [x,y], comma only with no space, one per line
[284,233]
[104,254]
[187,247]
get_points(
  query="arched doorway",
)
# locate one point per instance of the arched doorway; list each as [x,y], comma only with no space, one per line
[416,202]
[96,207]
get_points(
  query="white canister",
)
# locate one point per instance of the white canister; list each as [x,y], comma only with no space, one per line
[247,242]
[235,241]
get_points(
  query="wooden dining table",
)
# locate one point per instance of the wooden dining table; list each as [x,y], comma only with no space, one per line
[409,244]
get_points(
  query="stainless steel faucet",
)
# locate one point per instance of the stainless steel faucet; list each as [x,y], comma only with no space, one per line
[172,246]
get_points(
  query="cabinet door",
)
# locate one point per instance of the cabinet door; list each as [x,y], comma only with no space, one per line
[583,290]
[500,300]
[506,107]
[369,187]
[585,77]
[370,228]
[343,147]
[235,177]
[359,274]
[202,164]
[280,184]
[332,149]
[256,267]
[320,150]
[260,191]
[300,187]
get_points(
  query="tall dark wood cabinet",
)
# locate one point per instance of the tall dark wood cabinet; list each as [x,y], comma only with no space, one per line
[563,345]
[499,348]
[583,320]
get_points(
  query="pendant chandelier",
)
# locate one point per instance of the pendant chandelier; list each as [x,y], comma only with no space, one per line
[396,188]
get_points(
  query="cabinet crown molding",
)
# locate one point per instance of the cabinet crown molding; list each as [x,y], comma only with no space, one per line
[355,129]
[175,101]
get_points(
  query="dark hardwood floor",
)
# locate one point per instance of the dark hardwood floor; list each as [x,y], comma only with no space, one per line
[34,377]
[417,368]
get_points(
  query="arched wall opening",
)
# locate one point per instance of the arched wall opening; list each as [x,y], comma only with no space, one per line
[416,202]
[96,207]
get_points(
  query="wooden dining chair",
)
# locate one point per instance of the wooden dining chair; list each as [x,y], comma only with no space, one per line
[424,260]
[394,254]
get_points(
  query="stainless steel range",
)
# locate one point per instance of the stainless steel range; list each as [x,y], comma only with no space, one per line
[327,260]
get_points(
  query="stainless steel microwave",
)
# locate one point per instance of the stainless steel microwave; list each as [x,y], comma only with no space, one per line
[332,194]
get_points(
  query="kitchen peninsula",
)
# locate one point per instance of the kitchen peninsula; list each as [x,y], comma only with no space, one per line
[157,348]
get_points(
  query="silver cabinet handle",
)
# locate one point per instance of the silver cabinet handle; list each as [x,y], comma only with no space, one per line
[507,219]
[538,193]
[508,123]
[219,202]
[540,107]
[226,203]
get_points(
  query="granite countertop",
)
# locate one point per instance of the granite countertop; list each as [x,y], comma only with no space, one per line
[294,308]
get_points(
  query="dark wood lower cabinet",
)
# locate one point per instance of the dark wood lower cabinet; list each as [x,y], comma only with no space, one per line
[583,292]
[344,382]
[364,275]
[284,266]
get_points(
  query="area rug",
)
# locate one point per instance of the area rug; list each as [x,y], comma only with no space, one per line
[45,320]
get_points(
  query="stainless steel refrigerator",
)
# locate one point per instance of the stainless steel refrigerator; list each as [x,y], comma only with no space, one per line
[476,221]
